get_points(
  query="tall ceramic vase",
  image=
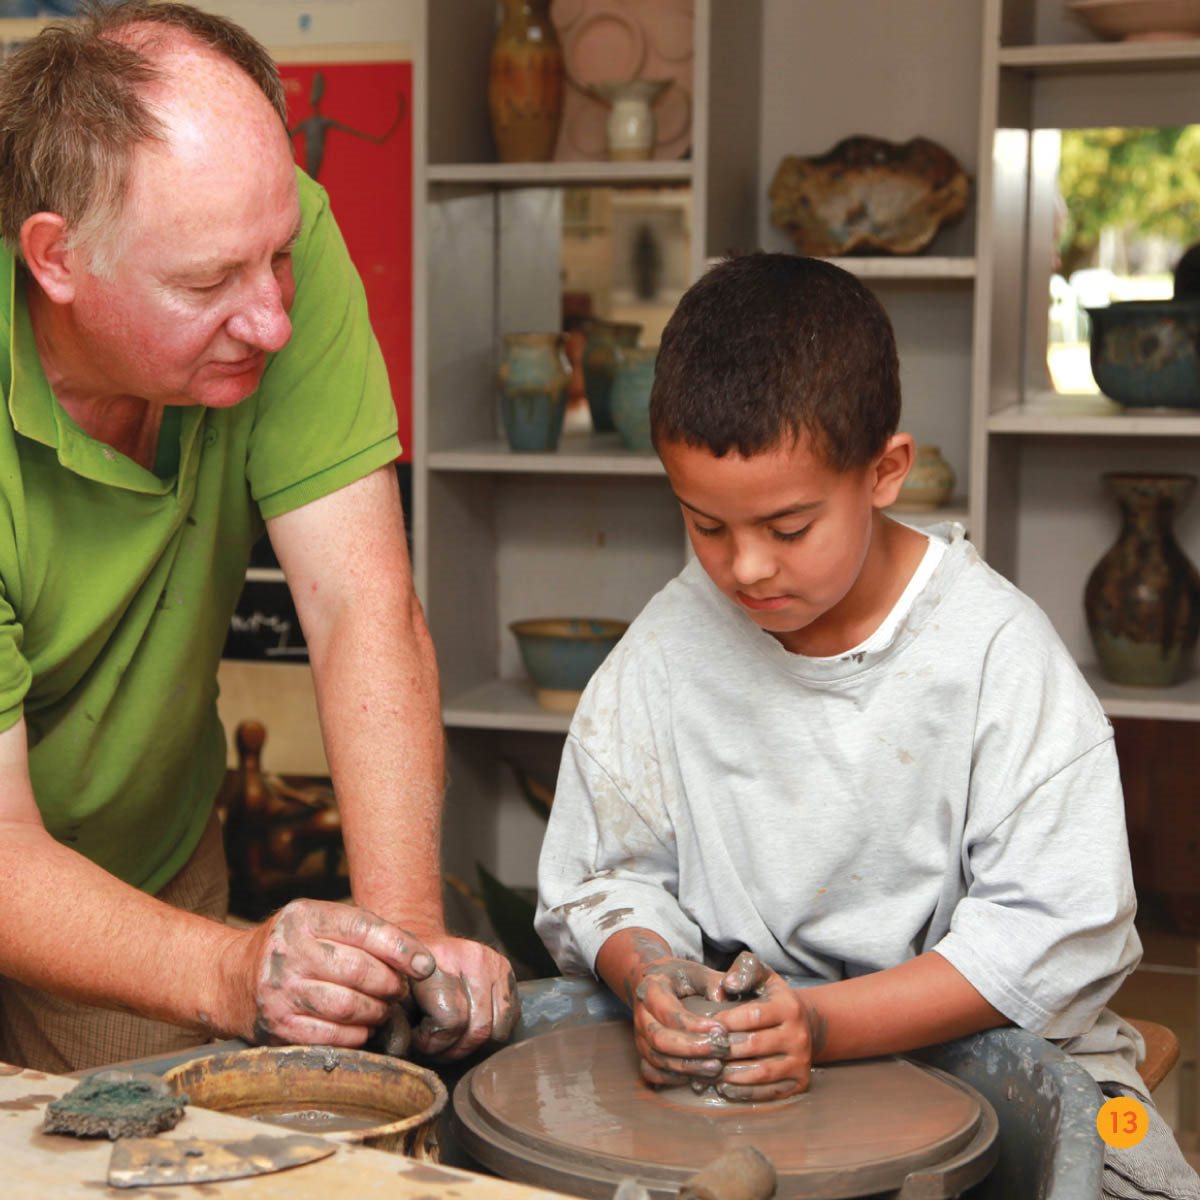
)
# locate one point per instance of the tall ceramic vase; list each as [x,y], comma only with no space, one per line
[533,378]
[525,87]
[1143,598]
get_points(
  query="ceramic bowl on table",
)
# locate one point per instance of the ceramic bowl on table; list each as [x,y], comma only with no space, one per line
[350,1096]
[1140,20]
[561,654]
[1145,353]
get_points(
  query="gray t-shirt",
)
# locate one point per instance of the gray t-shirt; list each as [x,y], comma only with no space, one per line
[955,790]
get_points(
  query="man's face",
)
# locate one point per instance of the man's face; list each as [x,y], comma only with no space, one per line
[202,278]
[782,535]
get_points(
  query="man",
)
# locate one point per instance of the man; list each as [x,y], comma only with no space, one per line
[188,356]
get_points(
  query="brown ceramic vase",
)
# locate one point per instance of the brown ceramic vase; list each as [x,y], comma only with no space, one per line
[525,88]
[1142,600]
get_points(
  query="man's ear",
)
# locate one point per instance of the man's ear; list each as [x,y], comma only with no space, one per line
[891,468]
[48,257]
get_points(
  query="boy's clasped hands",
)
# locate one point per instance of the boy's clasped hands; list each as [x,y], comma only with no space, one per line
[760,1049]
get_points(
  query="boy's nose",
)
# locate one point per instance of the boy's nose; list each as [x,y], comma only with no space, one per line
[752,563]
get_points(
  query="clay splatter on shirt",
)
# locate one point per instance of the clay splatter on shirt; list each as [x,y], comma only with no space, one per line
[584,902]
[613,918]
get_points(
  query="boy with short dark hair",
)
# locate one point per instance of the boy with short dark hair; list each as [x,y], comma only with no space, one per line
[836,741]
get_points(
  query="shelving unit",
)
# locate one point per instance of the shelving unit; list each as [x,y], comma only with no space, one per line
[1037,457]
[592,528]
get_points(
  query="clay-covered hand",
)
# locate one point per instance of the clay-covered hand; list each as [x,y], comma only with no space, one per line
[677,1046]
[772,1040]
[322,973]
[470,999]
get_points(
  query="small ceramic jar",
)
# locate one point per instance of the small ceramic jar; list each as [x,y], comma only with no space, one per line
[928,485]
[630,131]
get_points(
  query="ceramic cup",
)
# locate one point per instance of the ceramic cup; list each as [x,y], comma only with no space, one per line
[928,485]
[533,377]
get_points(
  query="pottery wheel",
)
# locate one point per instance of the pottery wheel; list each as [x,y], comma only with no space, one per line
[568,1110]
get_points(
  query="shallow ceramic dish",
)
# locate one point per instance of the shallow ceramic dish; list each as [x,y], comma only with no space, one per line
[1141,20]
[561,653]
[868,196]
[1144,352]
[346,1095]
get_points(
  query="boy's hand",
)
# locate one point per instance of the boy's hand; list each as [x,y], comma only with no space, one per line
[772,1041]
[677,1046]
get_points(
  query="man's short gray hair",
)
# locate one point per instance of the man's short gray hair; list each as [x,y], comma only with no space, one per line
[73,110]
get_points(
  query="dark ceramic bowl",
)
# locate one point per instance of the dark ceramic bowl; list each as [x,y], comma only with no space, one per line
[1146,353]
[561,653]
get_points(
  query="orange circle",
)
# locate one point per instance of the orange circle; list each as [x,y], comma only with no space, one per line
[1122,1122]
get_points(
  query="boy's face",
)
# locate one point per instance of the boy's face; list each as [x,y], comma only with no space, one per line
[788,539]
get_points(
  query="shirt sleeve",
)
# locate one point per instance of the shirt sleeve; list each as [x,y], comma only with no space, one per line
[325,415]
[1045,932]
[16,675]
[609,859]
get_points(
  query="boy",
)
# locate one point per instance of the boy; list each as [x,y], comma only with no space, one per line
[835,741]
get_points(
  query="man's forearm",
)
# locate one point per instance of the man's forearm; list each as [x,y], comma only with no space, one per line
[917,1003]
[377,691]
[69,927]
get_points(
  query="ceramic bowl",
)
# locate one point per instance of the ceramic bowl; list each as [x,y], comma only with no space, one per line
[868,196]
[561,653]
[1141,20]
[348,1096]
[1144,352]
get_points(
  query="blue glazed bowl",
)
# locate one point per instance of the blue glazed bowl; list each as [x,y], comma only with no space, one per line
[1146,353]
[561,653]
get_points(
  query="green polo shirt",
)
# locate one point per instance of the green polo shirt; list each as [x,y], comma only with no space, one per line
[117,585]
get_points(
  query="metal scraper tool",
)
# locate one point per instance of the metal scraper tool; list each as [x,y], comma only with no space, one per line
[145,1162]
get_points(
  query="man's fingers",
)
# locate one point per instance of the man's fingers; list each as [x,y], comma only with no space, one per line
[352,926]
[506,1008]
[690,1068]
[446,1003]
[762,1071]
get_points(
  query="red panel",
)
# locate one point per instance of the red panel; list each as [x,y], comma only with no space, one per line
[352,131]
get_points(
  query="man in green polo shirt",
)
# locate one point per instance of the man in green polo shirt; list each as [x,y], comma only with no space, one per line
[188,358]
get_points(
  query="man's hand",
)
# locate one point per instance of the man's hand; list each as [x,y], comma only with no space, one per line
[470,999]
[322,973]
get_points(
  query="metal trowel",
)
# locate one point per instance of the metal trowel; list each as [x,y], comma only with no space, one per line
[145,1162]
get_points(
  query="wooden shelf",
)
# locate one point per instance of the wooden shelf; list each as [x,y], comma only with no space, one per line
[265,575]
[1066,416]
[947,268]
[506,704]
[577,454]
[1094,57]
[1179,703]
[556,174]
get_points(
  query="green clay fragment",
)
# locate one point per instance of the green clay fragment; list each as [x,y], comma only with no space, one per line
[115,1104]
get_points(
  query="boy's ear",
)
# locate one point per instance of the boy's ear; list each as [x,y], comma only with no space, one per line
[48,257]
[891,468]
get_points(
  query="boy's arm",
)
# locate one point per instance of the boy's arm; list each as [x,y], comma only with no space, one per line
[764,1048]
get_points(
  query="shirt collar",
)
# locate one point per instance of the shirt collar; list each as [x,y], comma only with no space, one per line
[37,414]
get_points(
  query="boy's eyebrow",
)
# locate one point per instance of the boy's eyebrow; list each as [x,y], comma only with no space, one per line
[791,510]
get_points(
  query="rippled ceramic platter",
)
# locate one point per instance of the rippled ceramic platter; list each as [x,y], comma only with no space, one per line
[1140,20]
[868,196]
[568,1110]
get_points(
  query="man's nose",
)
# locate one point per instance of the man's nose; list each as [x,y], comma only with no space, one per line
[261,320]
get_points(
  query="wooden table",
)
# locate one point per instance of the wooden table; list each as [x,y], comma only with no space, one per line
[34,1165]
